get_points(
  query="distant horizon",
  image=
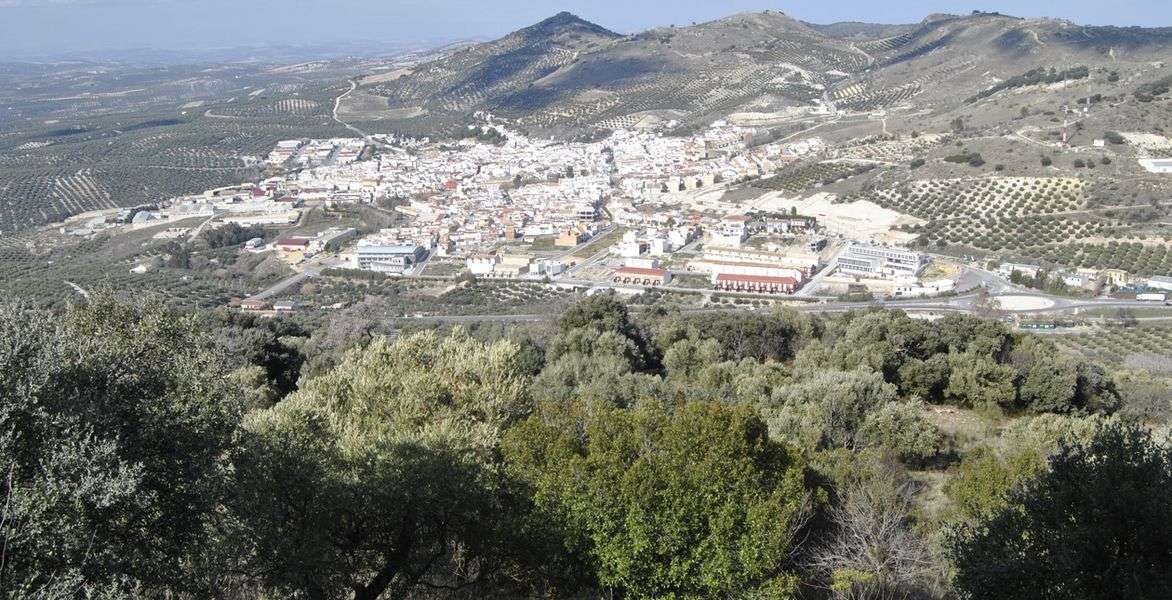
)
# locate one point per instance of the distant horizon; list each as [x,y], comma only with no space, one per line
[66,28]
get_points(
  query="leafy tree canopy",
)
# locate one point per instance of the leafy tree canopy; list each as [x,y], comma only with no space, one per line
[692,503]
[382,474]
[116,420]
[1097,523]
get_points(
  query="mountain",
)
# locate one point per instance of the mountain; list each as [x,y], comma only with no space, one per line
[565,73]
[946,59]
[474,77]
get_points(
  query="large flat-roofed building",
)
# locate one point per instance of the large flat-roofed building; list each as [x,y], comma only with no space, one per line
[512,265]
[332,239]
[285,305]
[264,218]
[293,244]
[757,284]
[805,262]
[717,268]
[880,262]
[388,259]
[293,248]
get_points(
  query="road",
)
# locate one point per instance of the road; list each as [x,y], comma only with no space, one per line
[987,284]
[338,102]
[593,259]
[815,282]
[418,269]
[198,230]
[959,304]
[211,115]
[286,283]
[77,288]
[311,269]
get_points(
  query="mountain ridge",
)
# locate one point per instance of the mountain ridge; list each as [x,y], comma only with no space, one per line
[568,73]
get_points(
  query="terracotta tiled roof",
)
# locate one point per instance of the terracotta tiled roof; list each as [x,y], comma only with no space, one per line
[641,271]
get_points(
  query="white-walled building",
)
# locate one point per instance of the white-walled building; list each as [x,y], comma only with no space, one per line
[917,289]
[1160,283]
[879,262]
[482,264]
[388,259]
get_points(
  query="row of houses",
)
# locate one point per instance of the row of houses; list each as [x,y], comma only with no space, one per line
[647,276]
[758,284]
[260,304]
[753,270]
[734,230]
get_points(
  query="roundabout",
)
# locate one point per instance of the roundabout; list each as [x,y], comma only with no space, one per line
[1018,303]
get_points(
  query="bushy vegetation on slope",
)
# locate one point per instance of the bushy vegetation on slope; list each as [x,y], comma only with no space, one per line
[674,456]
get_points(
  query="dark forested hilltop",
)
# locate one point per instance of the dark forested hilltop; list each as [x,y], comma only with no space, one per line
[742,455]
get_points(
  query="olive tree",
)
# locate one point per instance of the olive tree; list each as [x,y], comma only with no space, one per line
[1095,523]
[382,474]
[115,420]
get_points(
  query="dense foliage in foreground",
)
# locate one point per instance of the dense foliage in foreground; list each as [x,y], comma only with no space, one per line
[713,456]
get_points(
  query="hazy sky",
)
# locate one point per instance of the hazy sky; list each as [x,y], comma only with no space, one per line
[50,26]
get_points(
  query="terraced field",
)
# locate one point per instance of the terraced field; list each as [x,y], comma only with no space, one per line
[1045,219]
[301,100]
[1014,233]
[31,199]
[861,97]
[1133,257]
[440,297]
[1146,348]
[567,73]
[889,149]
[109,167]
[795,180]
[998,213]
[711,91]
[988,197]
[104,264]
[77,139]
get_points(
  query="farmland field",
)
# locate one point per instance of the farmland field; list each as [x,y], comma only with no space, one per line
[980,198]
[76,141]
[1142,348]
[43,269]
[1134,257]
[405,297]
[801,178]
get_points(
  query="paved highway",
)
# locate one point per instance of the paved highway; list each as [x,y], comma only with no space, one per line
[312,268]
[963,304]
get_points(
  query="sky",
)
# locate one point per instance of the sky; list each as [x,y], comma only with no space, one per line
[52,27]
